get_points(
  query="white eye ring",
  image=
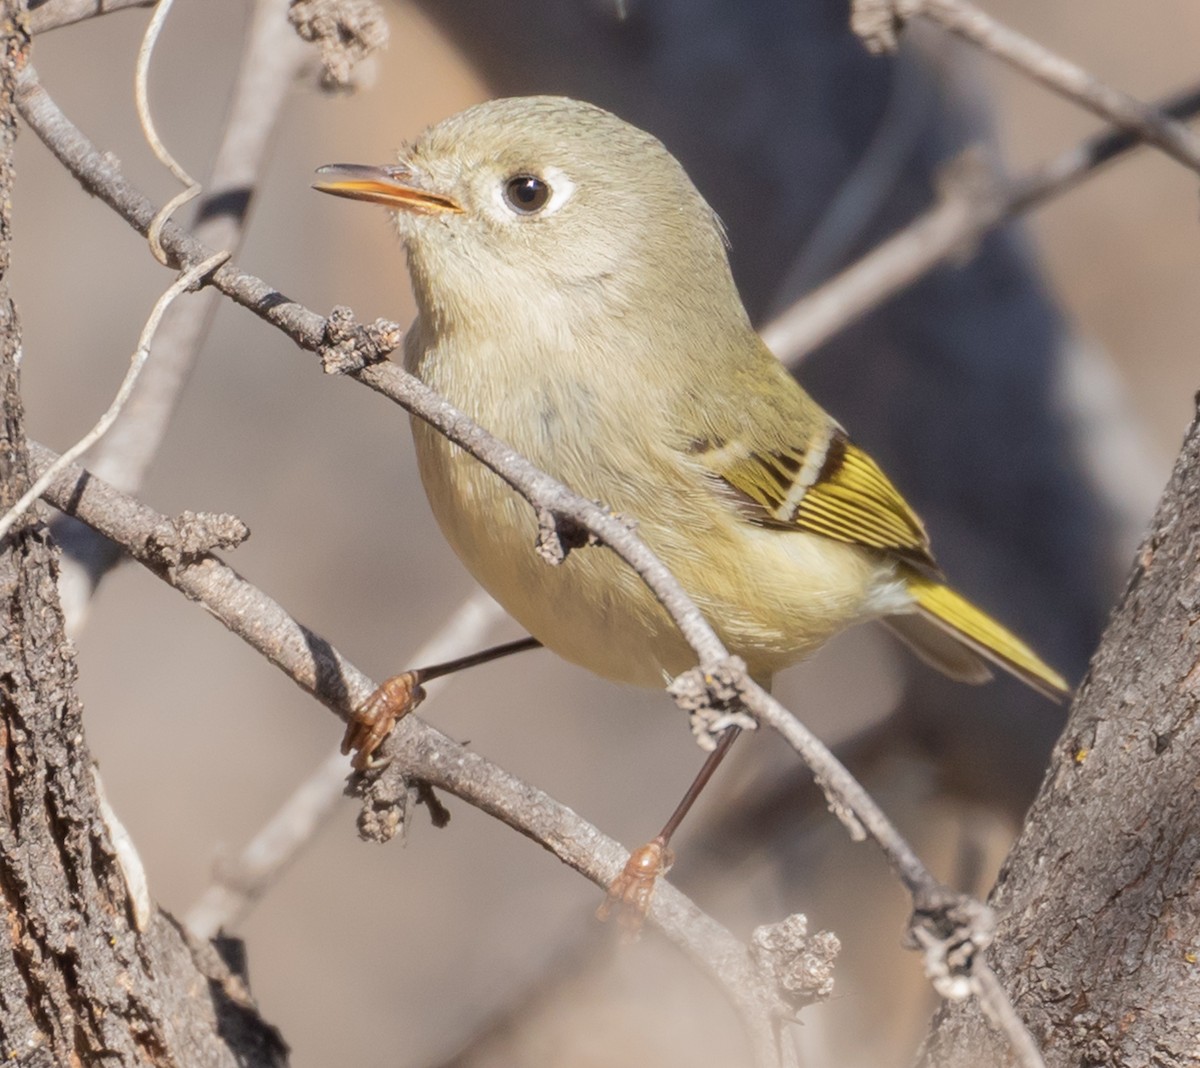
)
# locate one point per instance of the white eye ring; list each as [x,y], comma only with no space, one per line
[552,179]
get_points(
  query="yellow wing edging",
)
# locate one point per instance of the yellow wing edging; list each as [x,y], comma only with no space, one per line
[984,634]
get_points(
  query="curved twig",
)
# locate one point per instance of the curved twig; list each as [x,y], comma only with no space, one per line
[187,280]
[141,96]
[271,58]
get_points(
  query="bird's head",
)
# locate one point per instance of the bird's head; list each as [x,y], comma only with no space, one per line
[545,207]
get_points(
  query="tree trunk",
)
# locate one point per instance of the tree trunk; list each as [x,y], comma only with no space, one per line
[1099,901]
[80,983]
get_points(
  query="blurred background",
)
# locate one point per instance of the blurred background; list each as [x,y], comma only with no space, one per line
[1029,399]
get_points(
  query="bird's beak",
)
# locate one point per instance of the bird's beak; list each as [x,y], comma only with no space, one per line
[395,186]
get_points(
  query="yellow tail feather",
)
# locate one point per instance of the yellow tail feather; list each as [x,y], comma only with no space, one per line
[957,616]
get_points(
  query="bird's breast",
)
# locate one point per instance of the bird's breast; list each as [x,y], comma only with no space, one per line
[772,596]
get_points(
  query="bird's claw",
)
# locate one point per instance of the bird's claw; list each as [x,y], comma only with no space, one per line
[630,892]
[372,721]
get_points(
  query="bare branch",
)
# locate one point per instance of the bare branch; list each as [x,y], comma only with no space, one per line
[899,261]
[239,883]
[876,22]
[182,284]
[423,752]
[1064,77]
[967,210]
[55,13]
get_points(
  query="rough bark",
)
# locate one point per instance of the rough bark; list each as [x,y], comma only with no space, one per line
[1100,898]
[80,983]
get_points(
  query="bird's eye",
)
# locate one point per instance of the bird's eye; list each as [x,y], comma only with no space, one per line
[526,194]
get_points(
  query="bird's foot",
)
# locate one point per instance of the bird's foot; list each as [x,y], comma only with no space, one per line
[630,892]
[372,721]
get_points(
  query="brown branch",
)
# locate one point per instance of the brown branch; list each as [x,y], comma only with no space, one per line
[876,22]
[54,13]
[240,882]
[942,914]
[422,752]
[971,204]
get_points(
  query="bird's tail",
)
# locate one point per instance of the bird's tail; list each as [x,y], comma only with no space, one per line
[945,622]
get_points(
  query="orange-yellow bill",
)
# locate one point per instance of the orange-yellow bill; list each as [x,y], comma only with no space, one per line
[394,186]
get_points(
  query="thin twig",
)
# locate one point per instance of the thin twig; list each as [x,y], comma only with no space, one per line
[271,59]
[848,799]
[907,116]
[141,92]
[182,284]
[1061,75]
[851,802]
[885,270]
[238,884]
[141,96]
[998,1008]
[56,13]
[423,752]
[1069,168]
[877,22]
[963,215]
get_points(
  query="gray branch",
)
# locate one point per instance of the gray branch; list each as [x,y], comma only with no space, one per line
[54,13]
[417,750]
[973,202]
[876,22]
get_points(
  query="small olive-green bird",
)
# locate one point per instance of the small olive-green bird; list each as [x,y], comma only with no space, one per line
[574,297]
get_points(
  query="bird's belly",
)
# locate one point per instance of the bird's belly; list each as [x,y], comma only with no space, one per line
[591,609]
[772,597]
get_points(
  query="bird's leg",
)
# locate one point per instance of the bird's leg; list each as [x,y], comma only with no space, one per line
[372,721]
[630,892]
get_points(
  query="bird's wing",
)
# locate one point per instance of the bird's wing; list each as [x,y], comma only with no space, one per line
[823,484]
[853,500]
